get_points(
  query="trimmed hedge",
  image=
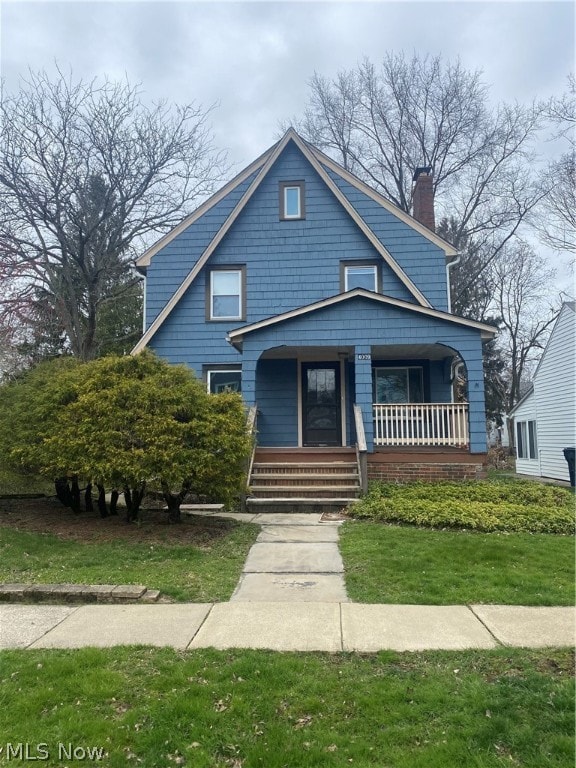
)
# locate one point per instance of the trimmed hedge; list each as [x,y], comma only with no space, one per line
[480,505]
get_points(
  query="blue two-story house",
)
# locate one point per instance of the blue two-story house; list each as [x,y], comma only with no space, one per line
[329,309]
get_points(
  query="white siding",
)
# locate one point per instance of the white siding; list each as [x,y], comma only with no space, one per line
[555,396]
[526,412]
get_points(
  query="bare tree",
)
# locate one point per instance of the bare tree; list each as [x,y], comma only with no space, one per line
[383,123]
[88,171]
[527,308]
[557,220]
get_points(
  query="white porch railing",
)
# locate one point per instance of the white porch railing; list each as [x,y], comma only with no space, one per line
[421,424]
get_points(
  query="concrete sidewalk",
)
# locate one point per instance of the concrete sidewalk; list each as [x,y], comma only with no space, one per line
[286,626]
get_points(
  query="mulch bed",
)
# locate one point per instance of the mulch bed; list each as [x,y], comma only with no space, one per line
[48,515]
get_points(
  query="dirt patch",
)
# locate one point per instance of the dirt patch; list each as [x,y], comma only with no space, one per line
[50,516]
[329,517]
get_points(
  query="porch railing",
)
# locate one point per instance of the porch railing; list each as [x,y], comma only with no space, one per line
[421,424]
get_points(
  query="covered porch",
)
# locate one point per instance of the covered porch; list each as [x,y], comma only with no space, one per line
[402,395]
[364,368]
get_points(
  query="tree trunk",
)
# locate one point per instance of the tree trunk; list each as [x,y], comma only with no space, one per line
[102,501]
[133,497]
[63,491]
[75,491]
[88,505]
[174,500]
[511,437]
[173,503]
[114,502]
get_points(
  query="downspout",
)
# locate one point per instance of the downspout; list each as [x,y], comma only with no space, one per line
[449,265]
[457,363]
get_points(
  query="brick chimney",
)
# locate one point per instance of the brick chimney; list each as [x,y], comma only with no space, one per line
[423,197]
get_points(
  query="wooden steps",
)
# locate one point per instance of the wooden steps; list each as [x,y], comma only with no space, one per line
[303,479]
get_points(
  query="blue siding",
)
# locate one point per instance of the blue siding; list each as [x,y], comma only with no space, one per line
[290,264]
[170,266]
[423,262]
[440,386]
[277,398]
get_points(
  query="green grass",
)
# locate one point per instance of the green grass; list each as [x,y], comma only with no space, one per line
[206,570]
[387,563]
[157,708]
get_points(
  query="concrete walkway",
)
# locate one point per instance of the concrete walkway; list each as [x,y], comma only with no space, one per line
[294,559]
[291,597]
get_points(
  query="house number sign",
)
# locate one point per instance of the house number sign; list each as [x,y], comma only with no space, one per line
[364,357]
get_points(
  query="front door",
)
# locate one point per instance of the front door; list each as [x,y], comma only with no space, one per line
[321,422]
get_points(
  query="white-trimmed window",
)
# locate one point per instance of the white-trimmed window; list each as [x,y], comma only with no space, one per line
[398,385]
[223,380]
[226,294]
[526,441]
[361,276]
[292,205]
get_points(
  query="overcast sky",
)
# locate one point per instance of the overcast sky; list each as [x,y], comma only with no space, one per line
[255,58]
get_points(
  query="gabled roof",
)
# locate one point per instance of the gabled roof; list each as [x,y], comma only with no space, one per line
[525,396]
[567,306]
[236,337]
[262,165]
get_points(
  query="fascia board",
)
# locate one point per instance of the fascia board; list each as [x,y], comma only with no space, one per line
[359,221]
[144,260]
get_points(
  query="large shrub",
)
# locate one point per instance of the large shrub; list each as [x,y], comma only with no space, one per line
[130,423]
[480,505]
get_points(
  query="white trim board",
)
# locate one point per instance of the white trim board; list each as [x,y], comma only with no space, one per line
[236,337]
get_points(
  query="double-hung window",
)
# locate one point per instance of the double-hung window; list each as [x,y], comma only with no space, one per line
[223,379]
[526,442]
[226,294]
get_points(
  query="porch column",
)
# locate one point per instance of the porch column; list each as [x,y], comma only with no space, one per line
[249,363]
[363,388]
[477,408]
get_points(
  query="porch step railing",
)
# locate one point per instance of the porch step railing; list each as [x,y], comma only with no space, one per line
[421,424]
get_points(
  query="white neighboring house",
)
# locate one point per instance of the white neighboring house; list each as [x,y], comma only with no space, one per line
[545,418]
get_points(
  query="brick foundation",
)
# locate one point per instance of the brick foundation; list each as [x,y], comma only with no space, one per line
[406,467]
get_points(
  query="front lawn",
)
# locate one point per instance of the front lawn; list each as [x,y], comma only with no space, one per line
[199,560]
[386,563]
[394,551]
[157,708]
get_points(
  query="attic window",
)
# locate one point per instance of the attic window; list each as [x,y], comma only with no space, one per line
[359,275]
[292,200]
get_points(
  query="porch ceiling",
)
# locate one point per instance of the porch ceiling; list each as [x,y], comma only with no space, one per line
[412,351]
[379,352]
[312,353]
